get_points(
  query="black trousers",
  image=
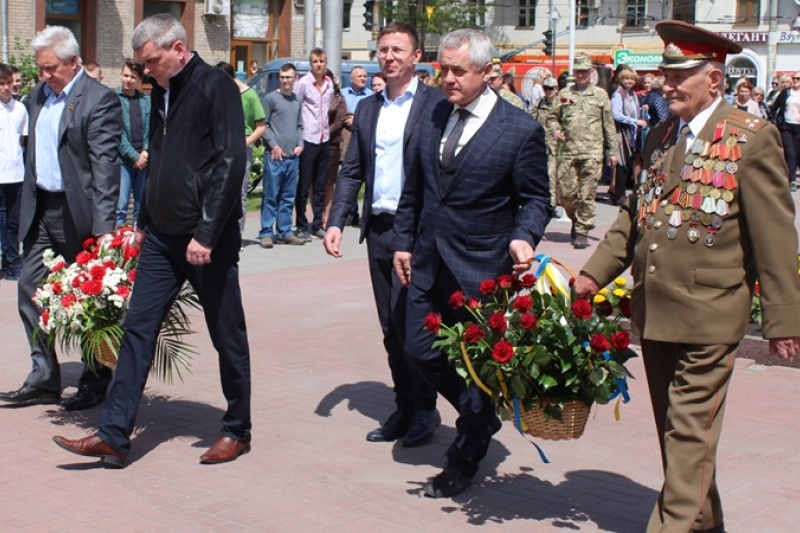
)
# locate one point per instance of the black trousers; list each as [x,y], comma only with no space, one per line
[791,149]
[475,408]
[410,389]
[161,273]
[313,175]
[52,228]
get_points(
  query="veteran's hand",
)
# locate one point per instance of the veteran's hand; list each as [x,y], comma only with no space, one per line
[333,237]
[198,254]
[522,254]
[785,348]
[585,287]
[402,265]
[137,237]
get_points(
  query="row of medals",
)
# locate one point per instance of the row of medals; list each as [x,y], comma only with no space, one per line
[706,190]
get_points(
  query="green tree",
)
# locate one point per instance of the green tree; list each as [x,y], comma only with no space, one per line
[25,61]
[437,17]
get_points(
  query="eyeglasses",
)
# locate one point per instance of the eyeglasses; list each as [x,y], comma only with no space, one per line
[795,78]
[549,88]
[774,83]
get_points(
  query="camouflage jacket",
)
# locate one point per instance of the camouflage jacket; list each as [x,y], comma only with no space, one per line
[540,112]
[586,120]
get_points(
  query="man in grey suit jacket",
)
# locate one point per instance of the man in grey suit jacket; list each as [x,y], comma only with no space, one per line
[69,194]
[376,156]
[474,207]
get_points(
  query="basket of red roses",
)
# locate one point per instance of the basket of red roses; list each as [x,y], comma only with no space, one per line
[544,357]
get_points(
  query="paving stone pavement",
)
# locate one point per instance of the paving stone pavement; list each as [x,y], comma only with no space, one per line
[320,383]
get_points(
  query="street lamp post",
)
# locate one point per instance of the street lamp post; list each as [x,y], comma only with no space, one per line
[555,16]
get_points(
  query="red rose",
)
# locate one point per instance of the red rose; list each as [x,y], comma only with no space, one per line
[117,241]
[497,321]
[58,266]
[571,282]
[97,272]
[528,280]
[757,288]
[83,258]
[123,291]
[473,334]
[582,309]
[132,275]
[457,299]
[625,307]
[523,303]
[76,281]
[620,340]
[129,252]
[563,99]
[487,287]
[45,317]
[604,308]
[505,281]
[474,303]
[87,243]
[57,289]
[110,265]
[433,322]
[67,300]
[92,287]
[527,321]
[503,351]
[599,343]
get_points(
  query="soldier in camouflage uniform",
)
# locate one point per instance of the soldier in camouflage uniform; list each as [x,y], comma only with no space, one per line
[543,109]
[583,125]
[496,83]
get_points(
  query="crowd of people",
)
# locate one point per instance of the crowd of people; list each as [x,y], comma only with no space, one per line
[460,182]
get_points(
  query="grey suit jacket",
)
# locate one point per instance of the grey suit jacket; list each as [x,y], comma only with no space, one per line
[88,154]
[359,162]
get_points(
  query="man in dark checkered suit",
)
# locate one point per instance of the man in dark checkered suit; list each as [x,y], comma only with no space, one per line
[475,204]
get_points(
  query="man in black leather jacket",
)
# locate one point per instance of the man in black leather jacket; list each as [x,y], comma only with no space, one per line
[189,231]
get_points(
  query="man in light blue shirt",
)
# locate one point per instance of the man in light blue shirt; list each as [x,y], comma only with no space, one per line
[352,96]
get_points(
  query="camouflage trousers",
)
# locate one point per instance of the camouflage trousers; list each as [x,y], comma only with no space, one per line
[577,186]
[552,172]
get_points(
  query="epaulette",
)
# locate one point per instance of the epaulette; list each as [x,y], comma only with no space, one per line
[741,119]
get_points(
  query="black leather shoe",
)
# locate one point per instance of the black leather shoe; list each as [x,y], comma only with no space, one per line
[448,482]
[83,399]
[396,426]
[29,395]
[423,425]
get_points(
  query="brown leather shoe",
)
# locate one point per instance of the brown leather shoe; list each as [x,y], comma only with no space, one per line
[224,450]
[92,446]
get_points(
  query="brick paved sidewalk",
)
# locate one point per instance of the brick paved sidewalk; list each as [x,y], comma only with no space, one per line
[320,384]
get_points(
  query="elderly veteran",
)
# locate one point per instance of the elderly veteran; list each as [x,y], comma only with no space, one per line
[712,213]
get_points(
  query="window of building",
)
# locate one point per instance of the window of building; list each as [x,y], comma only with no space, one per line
[527,14]
[78,15]
[747,11]
[181,10]
[635,12]
[479,18]
[683,10]
[586,13]
[65,13]
[250,19]
[348,9]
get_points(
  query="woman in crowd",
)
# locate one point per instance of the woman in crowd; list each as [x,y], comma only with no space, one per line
[627,113]
[786,115]
[742,99]
[337,113]
[134,144]
[758,96]
[657,105]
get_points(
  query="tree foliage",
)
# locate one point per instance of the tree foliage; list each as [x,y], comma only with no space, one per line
[25,61]
[446,15]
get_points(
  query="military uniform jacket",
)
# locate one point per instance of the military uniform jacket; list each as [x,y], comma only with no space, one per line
[701,227]
[540,112]
[585,118]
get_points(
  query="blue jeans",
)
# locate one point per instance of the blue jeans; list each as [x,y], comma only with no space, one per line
[280,187]
[130,180]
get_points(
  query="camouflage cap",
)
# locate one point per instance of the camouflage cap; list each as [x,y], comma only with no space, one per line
[582,62]
[550,83]
[497,71]
[687,46]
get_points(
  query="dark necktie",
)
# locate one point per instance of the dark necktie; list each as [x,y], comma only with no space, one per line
[449,150]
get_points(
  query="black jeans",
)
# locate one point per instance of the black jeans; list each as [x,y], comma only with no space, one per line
[314,175]
[791,148]
[161,273]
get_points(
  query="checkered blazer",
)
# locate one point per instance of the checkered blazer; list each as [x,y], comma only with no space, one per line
[499,193]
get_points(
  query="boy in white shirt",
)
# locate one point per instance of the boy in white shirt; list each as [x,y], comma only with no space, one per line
[13,133]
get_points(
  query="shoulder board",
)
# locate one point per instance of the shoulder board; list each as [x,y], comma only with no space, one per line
[743,120]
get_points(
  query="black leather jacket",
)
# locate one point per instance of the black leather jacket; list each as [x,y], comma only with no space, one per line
[197,155]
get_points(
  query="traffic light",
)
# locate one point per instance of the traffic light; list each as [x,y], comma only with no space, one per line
[548,43]
[368,13]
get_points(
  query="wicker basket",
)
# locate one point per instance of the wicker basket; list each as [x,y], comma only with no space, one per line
[573,421]
[106,353]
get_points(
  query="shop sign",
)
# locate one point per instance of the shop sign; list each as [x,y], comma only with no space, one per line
[625,56]
[746,36]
